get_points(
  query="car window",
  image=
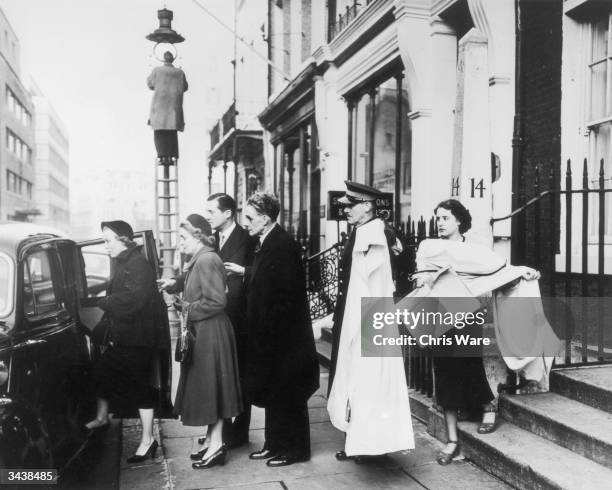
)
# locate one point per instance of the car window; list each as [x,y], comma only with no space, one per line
[6,285]
[39,291]
[97,269]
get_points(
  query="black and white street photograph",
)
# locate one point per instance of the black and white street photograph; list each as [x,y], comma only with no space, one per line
[305,244]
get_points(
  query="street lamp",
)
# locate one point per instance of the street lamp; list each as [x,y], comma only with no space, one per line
[166,119]
[164,35]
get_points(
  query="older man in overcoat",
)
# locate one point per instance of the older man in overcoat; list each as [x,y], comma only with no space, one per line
[282,368]
[166,116]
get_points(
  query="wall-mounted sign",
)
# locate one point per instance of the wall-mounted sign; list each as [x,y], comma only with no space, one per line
[335,210]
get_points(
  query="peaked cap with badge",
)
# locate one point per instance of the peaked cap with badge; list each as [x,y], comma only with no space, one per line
[356,193]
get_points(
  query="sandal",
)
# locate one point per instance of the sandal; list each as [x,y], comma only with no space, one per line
[447,458]
[488,427]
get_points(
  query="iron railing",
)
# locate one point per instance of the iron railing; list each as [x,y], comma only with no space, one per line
[229,119]
[587,338]
[223,125]
[418,361]
[343,19]
[215,135]
[322,280]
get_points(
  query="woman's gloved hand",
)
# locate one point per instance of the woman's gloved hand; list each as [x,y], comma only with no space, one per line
[422,279]
[530,274]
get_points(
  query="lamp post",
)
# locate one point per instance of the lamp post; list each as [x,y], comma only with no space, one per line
[166,119]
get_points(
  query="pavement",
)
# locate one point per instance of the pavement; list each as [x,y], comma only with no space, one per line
[171,469]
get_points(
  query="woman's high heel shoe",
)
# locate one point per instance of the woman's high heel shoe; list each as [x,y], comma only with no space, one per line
[218,458]
[447,458]
[488,427]
[137,458]
[199,455]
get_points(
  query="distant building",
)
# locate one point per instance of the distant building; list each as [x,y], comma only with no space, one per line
[236,159]
[16,132]
[52,171]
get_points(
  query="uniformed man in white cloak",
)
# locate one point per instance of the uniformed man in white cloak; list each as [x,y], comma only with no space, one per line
[368,398]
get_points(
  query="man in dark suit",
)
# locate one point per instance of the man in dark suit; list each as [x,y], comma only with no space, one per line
[282,368]
[235,247]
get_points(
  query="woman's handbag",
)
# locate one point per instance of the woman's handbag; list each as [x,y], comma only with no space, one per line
[185,343]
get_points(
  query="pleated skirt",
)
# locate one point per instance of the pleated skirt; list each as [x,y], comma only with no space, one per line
[209,387]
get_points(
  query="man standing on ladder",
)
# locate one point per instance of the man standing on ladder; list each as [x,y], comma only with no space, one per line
[166,116]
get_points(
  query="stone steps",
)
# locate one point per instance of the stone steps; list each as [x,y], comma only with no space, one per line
[527,461]
[589,385]
[585,430]
[324,349]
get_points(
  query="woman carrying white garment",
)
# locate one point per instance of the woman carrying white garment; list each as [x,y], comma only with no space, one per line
[368,397]
[461,382]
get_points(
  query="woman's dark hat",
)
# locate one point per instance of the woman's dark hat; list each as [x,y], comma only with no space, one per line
[356,192]
[120,228]
[200,223]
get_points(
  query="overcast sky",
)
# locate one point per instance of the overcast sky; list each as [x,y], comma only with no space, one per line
[91,59]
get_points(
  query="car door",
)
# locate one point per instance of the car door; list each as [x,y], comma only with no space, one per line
[97,270]
[48,358]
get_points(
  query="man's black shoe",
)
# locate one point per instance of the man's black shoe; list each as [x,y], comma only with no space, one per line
[285,460]
[263,454]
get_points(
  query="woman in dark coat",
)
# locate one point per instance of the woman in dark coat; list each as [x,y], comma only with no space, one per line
[209,386]
[121,374]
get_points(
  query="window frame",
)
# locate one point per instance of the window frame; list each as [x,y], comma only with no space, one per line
[54,264]
[395,72]
[593,126]
[10,296]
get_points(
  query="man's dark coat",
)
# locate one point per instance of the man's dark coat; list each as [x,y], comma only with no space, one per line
[281,361]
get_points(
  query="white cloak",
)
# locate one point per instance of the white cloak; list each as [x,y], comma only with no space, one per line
[525,339]
[369,396]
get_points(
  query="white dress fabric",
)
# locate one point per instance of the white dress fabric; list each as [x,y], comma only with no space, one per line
[369,396]
[524,337]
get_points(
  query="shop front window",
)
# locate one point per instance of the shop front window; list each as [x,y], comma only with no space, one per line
[381,140]
[385,136]
[294,181]
[361,139]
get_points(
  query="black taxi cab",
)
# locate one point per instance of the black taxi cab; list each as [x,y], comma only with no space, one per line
[46,352]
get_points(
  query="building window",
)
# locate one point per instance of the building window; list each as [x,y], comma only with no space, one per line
[380,143]
[17,108]
[599,112]
[17,184]
[10,181]
[17,147]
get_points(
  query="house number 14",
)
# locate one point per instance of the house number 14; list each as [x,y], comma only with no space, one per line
[475,187]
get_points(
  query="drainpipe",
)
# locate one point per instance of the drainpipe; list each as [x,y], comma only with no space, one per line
[517,249]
